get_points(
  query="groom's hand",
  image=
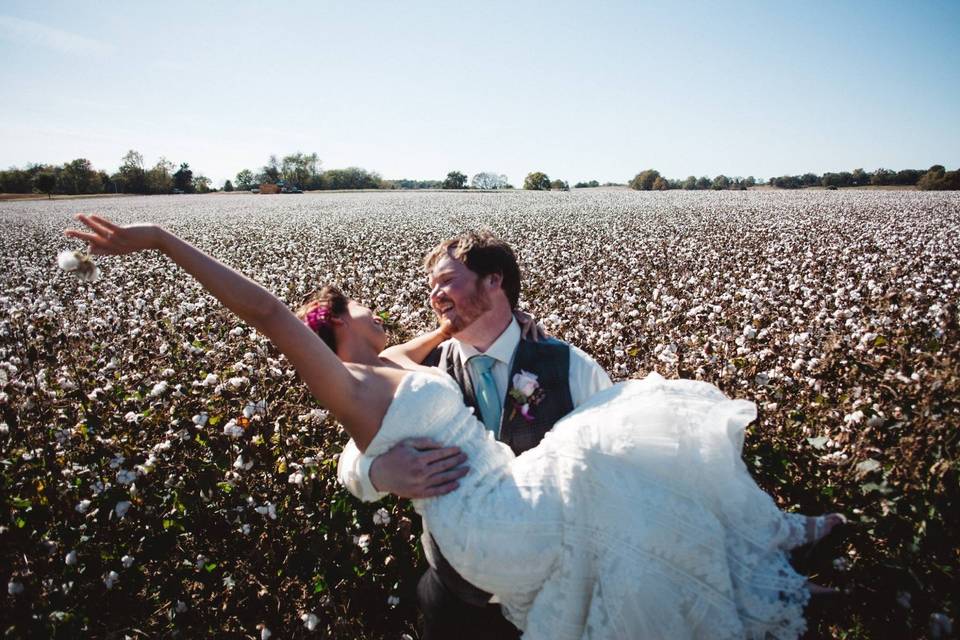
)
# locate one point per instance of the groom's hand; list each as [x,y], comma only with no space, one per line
[418,468]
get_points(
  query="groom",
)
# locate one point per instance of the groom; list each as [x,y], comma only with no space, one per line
[475,286]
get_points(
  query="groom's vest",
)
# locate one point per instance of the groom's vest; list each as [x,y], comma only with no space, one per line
[549,360]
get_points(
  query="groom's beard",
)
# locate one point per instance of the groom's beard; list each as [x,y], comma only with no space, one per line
[467,312]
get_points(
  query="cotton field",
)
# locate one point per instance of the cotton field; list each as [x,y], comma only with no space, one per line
[164,473]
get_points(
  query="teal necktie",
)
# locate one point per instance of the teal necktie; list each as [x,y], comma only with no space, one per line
[488,400]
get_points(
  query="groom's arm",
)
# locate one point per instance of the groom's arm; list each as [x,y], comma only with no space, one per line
[414,468]
[586,377]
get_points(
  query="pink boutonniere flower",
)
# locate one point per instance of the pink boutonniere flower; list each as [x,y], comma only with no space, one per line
[526,393]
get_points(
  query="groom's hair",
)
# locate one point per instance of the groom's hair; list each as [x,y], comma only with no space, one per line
[483,253]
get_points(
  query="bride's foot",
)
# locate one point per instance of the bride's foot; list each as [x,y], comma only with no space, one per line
[820,526]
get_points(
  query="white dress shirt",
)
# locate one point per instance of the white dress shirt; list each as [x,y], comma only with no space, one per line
[586,379]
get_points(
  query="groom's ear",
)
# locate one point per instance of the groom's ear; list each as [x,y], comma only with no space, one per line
[495,280]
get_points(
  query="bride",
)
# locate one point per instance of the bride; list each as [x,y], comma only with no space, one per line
[634,518]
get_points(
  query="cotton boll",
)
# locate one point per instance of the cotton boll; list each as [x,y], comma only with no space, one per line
[111,579]
[69,260]
[121,508]
[310,621]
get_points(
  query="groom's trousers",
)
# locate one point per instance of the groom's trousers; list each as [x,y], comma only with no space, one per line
[446,616]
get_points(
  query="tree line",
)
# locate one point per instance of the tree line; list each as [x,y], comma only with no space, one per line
[934,178]
[79,177]
[303,171]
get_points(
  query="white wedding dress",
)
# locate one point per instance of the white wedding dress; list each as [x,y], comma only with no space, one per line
[634,518]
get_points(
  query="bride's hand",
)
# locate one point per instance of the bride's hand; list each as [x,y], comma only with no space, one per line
[110,239]
[530,329]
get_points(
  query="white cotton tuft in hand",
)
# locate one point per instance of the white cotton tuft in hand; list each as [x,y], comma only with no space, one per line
[79,263]
[69,260]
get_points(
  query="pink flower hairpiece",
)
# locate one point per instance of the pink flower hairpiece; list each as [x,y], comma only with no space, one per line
[318,318]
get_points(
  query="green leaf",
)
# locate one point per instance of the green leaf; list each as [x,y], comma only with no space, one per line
[210,566]
[214,421]
[879,341]
[319,584]
[226,487]
[21,523]
[18,503]
[171,524]
[818,443]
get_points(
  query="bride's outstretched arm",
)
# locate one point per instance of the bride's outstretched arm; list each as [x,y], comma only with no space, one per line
[323,372]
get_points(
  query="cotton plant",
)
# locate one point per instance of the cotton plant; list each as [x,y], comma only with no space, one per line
[834,312]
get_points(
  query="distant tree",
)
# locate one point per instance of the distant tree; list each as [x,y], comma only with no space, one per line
[749,181]
[537,181]
[245,180]
[270,173]
[489,180]
[228,186]
[300,170]
[586,185]
[405,183]
[720,183]
[103,180]
[859,178]
[159,178]
[908,177]
[937,178]
[351,178]
[831,180]
[660,184]
[45,182]
[690,183]
[200,184]
[644,180]
[133,177]
[15,180]
[78,176]
[703,183]
[810,180]
[183,179]
[455,180]
[881,177]
[559,185]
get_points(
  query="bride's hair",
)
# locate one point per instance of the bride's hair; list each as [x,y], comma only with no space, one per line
[320,306]
[483,252]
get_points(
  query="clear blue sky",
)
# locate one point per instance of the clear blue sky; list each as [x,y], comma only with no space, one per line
[579,90]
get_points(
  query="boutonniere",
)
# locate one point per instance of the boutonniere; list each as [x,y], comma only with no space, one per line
[526,393]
